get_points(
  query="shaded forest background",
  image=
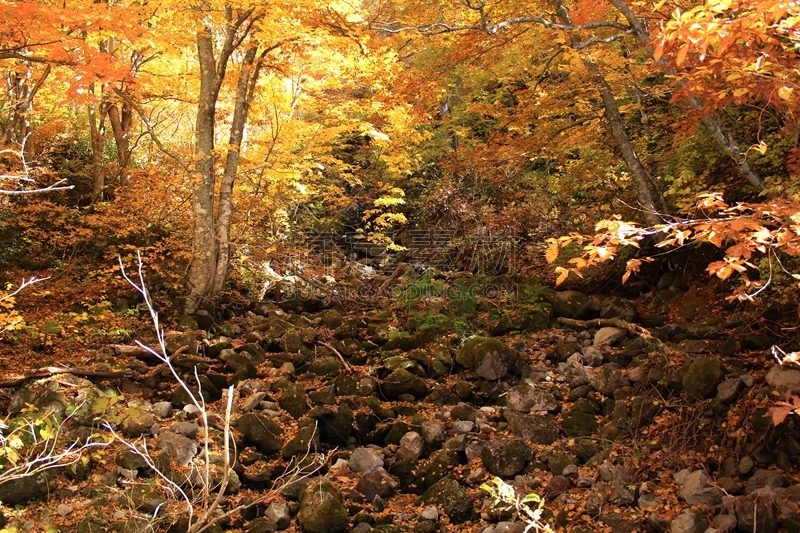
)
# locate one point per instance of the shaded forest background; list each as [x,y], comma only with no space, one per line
[222,139]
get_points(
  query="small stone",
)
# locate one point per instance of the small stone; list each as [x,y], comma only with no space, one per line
[724,523]
[463,426]
[252,401]
[177,447]
[279,514]
[433,433]
[689,521]
[764,478]
[63,509]
[187,429]
[162,409]
[365,460]
[591,356]
[609,336]
[411,446]
[697,489]
[746,465]
[430,513]
[783,379]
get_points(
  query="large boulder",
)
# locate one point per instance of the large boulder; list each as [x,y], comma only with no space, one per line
[536,428]
[451,498]
[606,379]
[505,459]
[261,432]
[615,307]
[702,378]
[527,398]
[698,489]
[570,304]
[321,509]
[401,381]
[784,379]
[490,358]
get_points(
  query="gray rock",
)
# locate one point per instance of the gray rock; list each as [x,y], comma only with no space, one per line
[728,390]
[570,304]
[136,422]
[606,379]
[609,336]
[430,513]
[783,379]
[293,398]
[463,426]
[364,460]
[401,381]
[177,447]
[261,432]
[187,429]
[321,509]
[279,514]
[527,398]
[615,307]
[162,409]
[326,365]
[764,478]
[377,482]
[755,512]
[505,459]
[216,346]
[261,524]
[578,424]
[451,498]
[239,363]
[702,378]
[252,401]
[539,429]
[591,356]
[724,523]
[697,489]
[433,433]
[689,521]
[491,358]
[21,491]
[411,446]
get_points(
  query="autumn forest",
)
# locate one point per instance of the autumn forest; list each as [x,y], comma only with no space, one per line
[399,265]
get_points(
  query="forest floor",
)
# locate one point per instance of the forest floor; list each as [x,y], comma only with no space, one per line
[645,413]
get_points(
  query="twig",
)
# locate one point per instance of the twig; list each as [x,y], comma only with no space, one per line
[336,352]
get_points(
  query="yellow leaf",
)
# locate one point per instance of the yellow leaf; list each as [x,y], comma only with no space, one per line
[562,275]
[552,252]
[785,92]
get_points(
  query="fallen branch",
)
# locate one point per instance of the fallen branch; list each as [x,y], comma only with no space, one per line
[55,370]
[336,352]
[633,329]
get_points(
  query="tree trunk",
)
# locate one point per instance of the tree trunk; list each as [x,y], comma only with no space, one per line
[244,96]
[203,267]
[121,122]
[723,138]
[97,130]
[650,200]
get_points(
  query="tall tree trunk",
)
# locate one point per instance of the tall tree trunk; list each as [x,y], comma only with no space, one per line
[245,89]
[97,130]
[650,200]
[121,122]
[723,138]
[203,267]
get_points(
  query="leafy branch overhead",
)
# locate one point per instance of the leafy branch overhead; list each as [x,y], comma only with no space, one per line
[746,232]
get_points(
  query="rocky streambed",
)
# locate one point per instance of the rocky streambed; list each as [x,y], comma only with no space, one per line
[371,421]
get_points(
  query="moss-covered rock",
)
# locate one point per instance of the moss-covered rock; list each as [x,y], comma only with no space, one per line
[702,377]
[490,358]
[451,498]
[321,509]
